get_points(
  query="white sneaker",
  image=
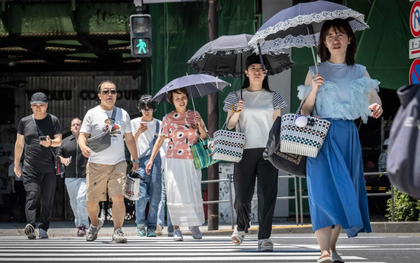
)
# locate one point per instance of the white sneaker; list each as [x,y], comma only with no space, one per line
[92,233]
[265,245]
[178,235]
[42,233]
[118,236]
[30,231]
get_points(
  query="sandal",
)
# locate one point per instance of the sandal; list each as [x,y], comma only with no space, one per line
[325,259]
[237,236]
[336,258]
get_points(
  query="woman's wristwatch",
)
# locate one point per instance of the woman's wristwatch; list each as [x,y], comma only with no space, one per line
[135,161]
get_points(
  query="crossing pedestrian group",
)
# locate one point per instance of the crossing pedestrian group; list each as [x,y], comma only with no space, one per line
[337,90]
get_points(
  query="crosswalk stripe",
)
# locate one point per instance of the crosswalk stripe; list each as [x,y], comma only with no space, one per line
[61,249]
[173,259]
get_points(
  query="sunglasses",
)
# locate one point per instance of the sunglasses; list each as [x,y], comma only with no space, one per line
[112,91]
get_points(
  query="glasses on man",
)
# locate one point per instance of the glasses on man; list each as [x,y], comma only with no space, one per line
[110,91]
[149,110]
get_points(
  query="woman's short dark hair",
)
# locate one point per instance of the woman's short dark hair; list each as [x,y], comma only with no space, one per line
[105,81]
[344,27]
[146,101]
[170,97]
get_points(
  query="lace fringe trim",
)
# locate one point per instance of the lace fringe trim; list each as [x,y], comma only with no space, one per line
[274,46]
[193,63]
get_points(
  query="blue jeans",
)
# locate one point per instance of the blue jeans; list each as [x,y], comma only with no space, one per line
[76,188]
[150,191]
[161,211]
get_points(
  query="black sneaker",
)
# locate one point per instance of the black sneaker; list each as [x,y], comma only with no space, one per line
[92,233]
[30,231]
[118,236]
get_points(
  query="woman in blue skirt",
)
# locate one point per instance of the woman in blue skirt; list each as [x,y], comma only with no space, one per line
[341,91]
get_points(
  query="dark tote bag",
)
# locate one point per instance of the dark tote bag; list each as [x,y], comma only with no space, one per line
[403,162]
[291,163]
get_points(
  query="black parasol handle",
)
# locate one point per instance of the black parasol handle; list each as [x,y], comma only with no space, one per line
[242,54]
[261,58]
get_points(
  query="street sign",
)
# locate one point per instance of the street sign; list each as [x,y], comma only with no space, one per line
[415,19]
[414,48]
[415,72]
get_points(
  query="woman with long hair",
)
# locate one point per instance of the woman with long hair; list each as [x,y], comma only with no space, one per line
[341,92]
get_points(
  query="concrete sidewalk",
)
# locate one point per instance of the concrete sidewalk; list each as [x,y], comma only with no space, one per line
[67,228]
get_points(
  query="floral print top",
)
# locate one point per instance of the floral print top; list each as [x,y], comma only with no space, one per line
[182,133]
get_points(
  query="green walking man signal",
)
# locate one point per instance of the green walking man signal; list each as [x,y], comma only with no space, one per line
[141,35]
[142,46]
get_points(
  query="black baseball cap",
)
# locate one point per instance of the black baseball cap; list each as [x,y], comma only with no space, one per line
[40,98]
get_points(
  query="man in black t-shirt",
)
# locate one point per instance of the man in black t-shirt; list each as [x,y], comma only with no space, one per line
[37,133]
[71,156]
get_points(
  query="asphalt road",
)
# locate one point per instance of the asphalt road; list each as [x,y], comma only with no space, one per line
[367,248]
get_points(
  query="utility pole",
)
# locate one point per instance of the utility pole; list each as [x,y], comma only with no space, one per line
[213,119]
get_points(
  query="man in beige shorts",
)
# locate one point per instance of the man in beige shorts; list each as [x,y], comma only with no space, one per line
[106,169]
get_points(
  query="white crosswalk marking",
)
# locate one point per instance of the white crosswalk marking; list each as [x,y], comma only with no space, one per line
[161,249]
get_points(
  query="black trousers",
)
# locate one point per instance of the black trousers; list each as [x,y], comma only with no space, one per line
[251,166]
[39,186]
[21,194]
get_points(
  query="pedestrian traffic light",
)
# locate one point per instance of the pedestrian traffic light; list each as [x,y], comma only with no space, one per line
[141,36]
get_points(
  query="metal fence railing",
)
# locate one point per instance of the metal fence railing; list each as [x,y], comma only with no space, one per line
[295,196]
[230,200]
[222,201]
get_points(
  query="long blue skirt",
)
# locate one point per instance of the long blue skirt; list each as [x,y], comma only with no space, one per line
[336,186]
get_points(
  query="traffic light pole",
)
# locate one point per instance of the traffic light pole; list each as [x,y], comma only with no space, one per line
[213,120]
